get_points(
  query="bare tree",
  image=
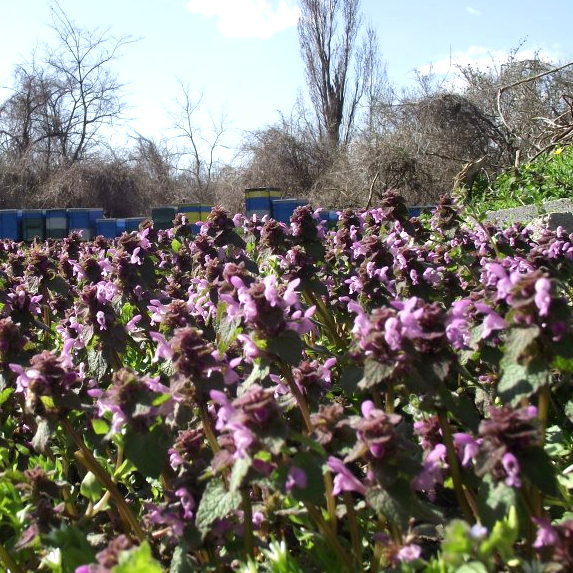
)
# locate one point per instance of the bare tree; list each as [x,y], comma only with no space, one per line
[328,36]
[197,148]
[66,97]
[285,155]
[89,95]
[526,96]
[25,127]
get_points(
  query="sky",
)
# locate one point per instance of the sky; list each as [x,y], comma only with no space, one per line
[243,55]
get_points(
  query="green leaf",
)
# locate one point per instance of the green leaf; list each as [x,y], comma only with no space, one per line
[457,543]
[58,285]
[562,363]
[97,364]
[148,451]
[139,560]
[494,501]
[564,347]
[74,547]
[124,470]
[259,373]
[536,465]
[521,381]
[315,249]
[519,340]
[569,410]
[502,537]
[240,470]
[227,331]
[4,395]
[288,346]
[435,370]
[472,567]
[100,427]
[374,373]
[216,503]
[312,467]
[350,378]
[90,488]
[382,502]
[175,246]
[42,436]
[463,408]
[181,561]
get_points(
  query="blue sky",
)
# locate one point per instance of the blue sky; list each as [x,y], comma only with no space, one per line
[244,54]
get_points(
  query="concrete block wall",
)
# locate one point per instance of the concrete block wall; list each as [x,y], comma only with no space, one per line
[553,214]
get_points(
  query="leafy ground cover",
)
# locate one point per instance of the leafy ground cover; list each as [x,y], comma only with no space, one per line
[390,395]
[548,177]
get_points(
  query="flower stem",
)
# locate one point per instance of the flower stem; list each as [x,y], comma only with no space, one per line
[88,460]
[303,406]
[248,519]
[46,313]
[390,398]
[116,362]
[208,427]
[354,529]
[330,501]
[454,466]
[331,537]
[543,410]
[326,319]
[8,560]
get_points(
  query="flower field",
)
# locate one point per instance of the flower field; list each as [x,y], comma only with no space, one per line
[392,394]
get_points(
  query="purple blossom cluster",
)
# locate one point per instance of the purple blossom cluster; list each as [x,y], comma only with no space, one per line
[260,375]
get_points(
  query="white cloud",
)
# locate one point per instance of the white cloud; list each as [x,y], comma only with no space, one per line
[248,18]
[473,11]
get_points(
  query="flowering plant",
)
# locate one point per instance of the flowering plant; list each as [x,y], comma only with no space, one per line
[391,394]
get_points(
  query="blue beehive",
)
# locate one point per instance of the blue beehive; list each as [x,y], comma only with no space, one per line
[10,228]
[258,200]
[107,228]
[205,211]
[33,224]
[120,226]
[56,223]
[79,220]
[329,217]
[282,209]
[163,216]
[417,210]
[95,214]
[132,223]
[192,211]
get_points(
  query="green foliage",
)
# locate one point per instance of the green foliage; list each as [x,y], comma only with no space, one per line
[139,560]
[216,503]
[548,177]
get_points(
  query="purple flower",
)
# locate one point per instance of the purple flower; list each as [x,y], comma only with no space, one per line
[250,349]
[163,350]
[478,532]
[467,447]
[344,480]
[409,553]
[296,478]
[393,333]
[100,317]
[543,295]
[492,320]
[512,469]
[433,471]
[546,535]
[187,502]
[135,260]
